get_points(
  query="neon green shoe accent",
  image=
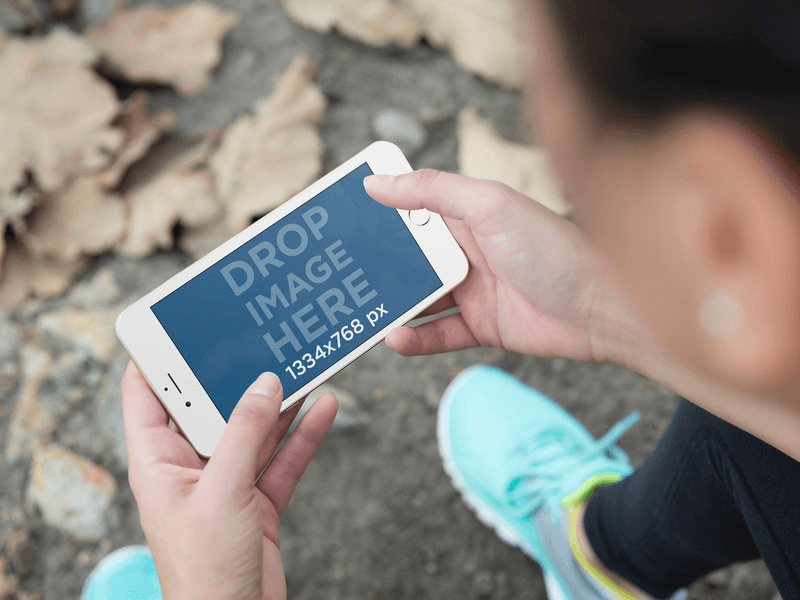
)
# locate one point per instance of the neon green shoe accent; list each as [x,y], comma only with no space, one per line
[574,502]
[582,494]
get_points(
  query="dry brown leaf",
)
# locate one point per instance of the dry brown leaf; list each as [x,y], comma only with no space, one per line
[64,47]
[24,275]
[16,206]
[80,219]
[55,112]
[266,158]
[374,22]
[483,154]
[178,46]
[172,185]
[141,132]
[481,35]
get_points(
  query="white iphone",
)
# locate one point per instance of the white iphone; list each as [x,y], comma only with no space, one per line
[302,293]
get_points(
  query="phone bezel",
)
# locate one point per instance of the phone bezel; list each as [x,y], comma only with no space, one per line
[159,360]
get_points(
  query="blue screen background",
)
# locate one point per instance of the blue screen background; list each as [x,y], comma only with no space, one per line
[222,341]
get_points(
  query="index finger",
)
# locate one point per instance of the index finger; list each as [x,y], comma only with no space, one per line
[447,194]
[143,416]
[140,407]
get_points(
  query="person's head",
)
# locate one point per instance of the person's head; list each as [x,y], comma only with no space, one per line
[674,128]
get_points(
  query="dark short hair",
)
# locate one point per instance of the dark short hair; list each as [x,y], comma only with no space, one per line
[642,59]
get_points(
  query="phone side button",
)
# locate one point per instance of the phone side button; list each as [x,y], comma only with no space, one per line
[419,216]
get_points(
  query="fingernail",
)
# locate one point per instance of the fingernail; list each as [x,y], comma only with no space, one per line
[389,340]
[378,183]
[267,385]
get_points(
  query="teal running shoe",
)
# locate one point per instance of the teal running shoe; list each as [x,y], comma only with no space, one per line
[126,573]
[520,461]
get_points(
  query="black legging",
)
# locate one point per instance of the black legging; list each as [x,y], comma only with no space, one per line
[709,495]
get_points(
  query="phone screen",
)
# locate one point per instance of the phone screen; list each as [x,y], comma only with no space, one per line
[299,296]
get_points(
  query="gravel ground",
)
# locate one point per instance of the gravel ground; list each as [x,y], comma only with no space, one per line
[375,515]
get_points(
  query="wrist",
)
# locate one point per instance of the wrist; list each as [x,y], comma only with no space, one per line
[190,580]
[616,334]
[620,337]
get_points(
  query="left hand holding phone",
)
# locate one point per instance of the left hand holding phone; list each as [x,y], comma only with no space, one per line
[212,531]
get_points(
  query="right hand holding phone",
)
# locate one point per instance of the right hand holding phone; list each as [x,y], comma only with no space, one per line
[534,284]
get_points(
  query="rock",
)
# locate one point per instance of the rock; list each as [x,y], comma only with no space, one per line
[97,12]
[31,422]
[350,416]
[11,19]
[15,515]
[21,551]
[400,128]
[9,375]
[92,330]
[432,392]
[14,17]
[98,292]
[10,339]
[74,376]
[85,558]
[109,409]
[483,583]
[72,492]
[30,308]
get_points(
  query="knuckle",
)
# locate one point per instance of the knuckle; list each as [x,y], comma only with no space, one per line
[498,191]
[247,413]
[426,177]
[253,410]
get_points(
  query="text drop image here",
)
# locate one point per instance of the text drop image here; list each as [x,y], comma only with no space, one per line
[299,296]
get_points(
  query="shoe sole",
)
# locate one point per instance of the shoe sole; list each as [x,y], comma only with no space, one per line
[485,514]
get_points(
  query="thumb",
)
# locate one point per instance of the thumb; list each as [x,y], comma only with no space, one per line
[448,194]
[235,460]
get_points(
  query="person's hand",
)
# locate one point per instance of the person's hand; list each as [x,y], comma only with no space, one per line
[212,530]
[535,285]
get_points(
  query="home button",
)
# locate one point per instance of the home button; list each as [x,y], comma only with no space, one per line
[419,217]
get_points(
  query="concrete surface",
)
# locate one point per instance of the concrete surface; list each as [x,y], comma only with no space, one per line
[375,516]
